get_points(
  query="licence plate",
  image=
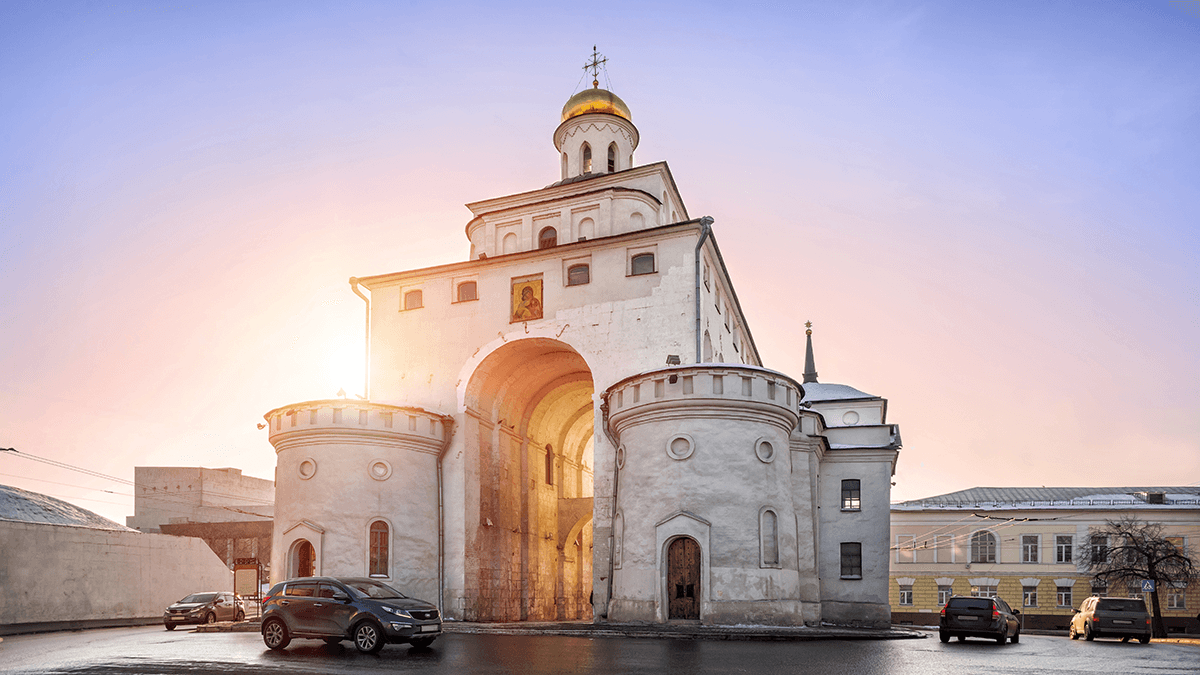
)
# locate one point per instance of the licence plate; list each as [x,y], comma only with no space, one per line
[968,618]
[1122,621]
[429,629]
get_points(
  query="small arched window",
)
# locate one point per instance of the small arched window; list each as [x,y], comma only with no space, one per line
[509,244]
[983,547]
[549,464]
[548,238]
[578,275]
[379,549]
[612,157]
[642,263]
[564,165]
[587,158]
[467,291]
[769,535]
[413,300]
[707,347]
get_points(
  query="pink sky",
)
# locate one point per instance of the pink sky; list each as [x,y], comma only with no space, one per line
[989,212]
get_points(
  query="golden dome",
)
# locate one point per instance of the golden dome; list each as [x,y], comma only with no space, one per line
[595,100]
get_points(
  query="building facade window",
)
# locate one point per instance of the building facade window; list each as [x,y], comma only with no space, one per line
[578,275]
[414,300]
[1064,596]
[1176,598]
[983,547]
[1031,544]
[548,238]
[642,263]
[466,291]
[612,157]
[944,593]
[587,158]
[983,591]
[1029,595]
[379,549]
[1099,588]
[904,548]
[906,596]
[769,536]
[1064,544]
[549,464]
[1099,548]
[851,495]
[851,560]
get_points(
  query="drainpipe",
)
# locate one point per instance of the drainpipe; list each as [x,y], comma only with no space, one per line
[612,517]
[705,230]
[448,431]
[366,340]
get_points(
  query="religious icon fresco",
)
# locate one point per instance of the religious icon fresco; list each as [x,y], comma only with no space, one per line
[526,300]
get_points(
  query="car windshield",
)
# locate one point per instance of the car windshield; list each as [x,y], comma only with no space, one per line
[970,603]
[374,589]
[199,597]
[1121,605]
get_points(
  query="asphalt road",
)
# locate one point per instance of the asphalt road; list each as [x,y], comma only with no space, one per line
[154,650]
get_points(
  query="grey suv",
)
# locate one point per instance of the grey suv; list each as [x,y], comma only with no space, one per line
[1111,617]
[204,608]
[366,611]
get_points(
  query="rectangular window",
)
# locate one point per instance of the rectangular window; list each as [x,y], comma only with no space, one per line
[413,300]
[1064,596]
[1029,593]
[1099,588]
[906,595]
[1099,548]
[904,548]
[379,549]
[1063,545]
[579,275]
[1175,599]
[983,591]
[943,548]
[944,593]
[983,547]
[851,560]
[642,263]
[851,495]
[1031,544]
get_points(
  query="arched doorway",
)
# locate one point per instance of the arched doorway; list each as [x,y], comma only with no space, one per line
[528,436]
[303,559]
[683,579]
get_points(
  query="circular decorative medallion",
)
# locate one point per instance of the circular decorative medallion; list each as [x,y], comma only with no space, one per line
[850,418]
[308,468]
[379,469]
[681,446]
[764,450]
[621,457]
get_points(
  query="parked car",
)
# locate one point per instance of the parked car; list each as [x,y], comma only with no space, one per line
[965,617]
[204,608]
[366,611]
[1111,617]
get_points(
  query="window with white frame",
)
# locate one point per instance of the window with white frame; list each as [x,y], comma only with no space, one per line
[1029,596]
[944,593]
[983,547]
[1176,597]
[943,548]
[983,591]
[1064,596]
[906,595]
[1031,545]
[851,495]
[1099,548]
[904,548]
[1064,544]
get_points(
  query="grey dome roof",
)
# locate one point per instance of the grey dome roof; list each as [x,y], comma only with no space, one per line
[815,392]
[31,507]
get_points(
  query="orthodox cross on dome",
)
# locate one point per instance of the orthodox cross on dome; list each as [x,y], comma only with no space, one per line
[808,325]
[594,65]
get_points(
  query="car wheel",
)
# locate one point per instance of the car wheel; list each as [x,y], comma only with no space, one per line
[944,637]
[241,616]
[1144,640]
[1003,638]
[275,634]
[961,638]
[1016,636]
[1071,633]
[170,626]
[422,643]
[1087,633]
[1124,638]
[367,638]
[332,641]
[210,618]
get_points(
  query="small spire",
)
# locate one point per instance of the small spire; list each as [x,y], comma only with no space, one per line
[598,60]
[810,367]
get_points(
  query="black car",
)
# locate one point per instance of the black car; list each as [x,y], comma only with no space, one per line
[204,608]
[332,609]
[965,617]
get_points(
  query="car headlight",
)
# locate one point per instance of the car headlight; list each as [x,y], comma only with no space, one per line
[398,612]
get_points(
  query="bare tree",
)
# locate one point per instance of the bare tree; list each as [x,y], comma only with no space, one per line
[1129,550]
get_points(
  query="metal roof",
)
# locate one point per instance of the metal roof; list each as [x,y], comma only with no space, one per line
[32,507]
[1043,497]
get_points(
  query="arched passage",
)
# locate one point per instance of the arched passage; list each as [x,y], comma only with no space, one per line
[528,434]
[302,561]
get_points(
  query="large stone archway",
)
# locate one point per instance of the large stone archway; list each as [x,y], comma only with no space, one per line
[528,427]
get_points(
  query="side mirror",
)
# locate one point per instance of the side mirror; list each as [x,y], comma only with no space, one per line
[340,596]
[1016,612]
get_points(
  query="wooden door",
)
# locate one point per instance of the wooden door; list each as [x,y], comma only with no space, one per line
[683,579]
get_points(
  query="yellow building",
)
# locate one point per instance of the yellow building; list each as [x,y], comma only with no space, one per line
[1023,544]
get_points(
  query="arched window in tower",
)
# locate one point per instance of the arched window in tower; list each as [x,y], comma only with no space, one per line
[548,238]
[549,464]
[564,165]
[612,157]
[768,531]
[379,549]
[707,347]
[587,158]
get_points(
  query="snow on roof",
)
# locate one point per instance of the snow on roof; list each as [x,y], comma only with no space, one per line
[1055,497]
[31,507]
[818,391]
